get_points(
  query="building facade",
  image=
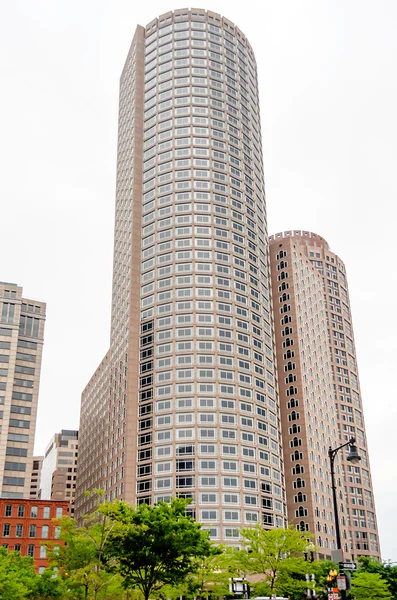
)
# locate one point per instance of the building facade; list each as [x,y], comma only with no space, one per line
[35,478]
[320,348]
[21,345]
[28,526]
[58,471]
[188,390]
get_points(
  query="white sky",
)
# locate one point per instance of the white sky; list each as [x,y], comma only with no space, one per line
[328,91]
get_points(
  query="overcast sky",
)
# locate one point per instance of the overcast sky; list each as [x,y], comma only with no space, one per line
[328,92]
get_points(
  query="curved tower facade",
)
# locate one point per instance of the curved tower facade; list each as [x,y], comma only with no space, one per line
[300,259]
[191,405]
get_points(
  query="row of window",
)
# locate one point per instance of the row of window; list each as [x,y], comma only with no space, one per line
[208,481]
[212,434]
[33,531]
[205,418]
[30,551]
[211,449]
[33,513]
[203,465]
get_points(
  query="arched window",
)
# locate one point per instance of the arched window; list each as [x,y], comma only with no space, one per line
[298,469]
[290,391]
[296,442]
[294,429]
[296,455]
[303,526]
[299,483]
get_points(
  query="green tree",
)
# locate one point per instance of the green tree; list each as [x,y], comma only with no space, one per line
[48,586]
[152,546]
[81,561]
[370,586]
[17,575]
[19,580]
[386,570]
[212,574]
[274,554]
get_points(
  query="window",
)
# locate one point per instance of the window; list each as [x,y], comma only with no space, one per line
[30,550]
[6,530]
[21,511]
[33,512]
[44,531]
[208,481]
[19,530]
[209,515]
[32,531]
[43,551]
[231,515]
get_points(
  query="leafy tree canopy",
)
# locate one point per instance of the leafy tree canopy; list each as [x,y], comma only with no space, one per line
[276,554]
[19,580]
[81,562]
[387,571]
[370,586]
[151,546]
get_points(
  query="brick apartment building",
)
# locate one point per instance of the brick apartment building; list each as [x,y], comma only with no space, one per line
[28,525]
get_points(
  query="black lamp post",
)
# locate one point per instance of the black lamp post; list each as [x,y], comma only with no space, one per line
[353,457]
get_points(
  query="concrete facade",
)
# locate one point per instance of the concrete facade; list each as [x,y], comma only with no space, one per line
[58,471]
[21,344]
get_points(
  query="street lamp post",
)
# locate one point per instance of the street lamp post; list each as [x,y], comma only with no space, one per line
[353,457]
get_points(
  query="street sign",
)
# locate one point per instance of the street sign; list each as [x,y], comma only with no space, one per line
[341,582]
[348,566]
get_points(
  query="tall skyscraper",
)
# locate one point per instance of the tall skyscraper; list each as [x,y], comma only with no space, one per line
[58,471]
[185,401]
[320,391]
[21,345]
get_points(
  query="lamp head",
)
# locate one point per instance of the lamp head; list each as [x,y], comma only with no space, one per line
[333,573]
[353,455]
